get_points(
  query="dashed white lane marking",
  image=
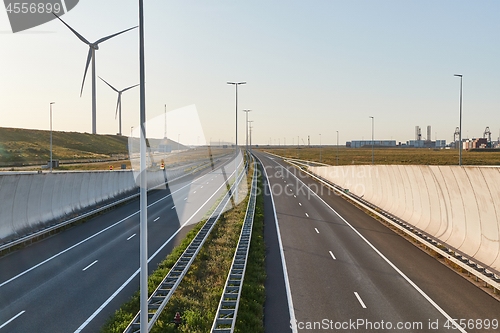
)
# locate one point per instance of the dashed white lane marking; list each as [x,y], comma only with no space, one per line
[300,204]
[194,192]
[417,288]
[360,300]
[131,237]
[173,207]
[156,219]
[201,186]
[11,319]
[89,266]
[331,253]
[317,231]
[294,196]
[307,215]
[185,199]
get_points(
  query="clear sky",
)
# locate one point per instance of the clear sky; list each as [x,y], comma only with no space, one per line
[312,67]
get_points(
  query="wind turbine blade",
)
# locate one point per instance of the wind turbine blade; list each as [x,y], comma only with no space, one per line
[89,57]
[73,30]
[111,36]
[118,103]
[109,84]
[130,87]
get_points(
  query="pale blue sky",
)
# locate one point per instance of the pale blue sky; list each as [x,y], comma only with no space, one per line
[312,67]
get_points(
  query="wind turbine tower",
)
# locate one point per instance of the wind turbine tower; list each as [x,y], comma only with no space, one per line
[91,57]
[118,103]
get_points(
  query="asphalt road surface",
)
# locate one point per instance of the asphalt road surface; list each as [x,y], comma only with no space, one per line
[346,272]
[74,280]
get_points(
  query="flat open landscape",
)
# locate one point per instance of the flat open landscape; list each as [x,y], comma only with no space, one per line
[420,156]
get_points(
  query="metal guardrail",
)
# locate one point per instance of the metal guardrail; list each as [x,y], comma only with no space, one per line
[445,250]
[225,319]
[41,232]
[160,297]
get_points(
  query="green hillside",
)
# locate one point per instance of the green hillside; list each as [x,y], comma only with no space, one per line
[25,146]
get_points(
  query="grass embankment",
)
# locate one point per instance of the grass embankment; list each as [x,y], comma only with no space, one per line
[198,295]
[25,146]
[420,156]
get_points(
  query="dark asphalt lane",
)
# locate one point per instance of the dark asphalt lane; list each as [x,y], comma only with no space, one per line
[335,275]
[95,260]
[276,308]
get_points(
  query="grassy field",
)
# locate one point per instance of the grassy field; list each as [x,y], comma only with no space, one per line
[420,156]
[23,146]
[25,149]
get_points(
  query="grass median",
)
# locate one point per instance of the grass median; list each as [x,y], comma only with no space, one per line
[198,295]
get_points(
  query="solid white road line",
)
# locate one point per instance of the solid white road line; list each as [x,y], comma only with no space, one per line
[156,219]
[131,237]
[331,253]
[93,236]
[283,262]
[417,288]
[11,319]
[317,231]
[110,298]
[89,266]
[360,300]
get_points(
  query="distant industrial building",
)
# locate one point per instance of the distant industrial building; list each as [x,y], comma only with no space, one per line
[479,143]
[426,144]
[368,143]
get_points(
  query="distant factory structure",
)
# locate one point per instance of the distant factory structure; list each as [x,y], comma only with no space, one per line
[368,143]
[427,142]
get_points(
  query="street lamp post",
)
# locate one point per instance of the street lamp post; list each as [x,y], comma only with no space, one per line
[460,126]
[143,220]
[320,147]
[246,111]
[51,135]
[250,135]
[337,147]
[373,142]
[236,84]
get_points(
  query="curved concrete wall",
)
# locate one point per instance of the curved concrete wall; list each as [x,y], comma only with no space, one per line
[460,206]
[30,200]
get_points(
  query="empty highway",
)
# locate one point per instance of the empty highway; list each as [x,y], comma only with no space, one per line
[74,280]
[347,272]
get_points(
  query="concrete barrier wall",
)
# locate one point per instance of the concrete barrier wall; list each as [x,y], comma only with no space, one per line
[460,206]
[27,201]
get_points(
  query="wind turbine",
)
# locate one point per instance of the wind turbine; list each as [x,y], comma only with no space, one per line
[119,103]
[91,56]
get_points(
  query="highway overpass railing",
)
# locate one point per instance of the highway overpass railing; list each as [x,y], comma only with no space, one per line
[163,293]
[225,319]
